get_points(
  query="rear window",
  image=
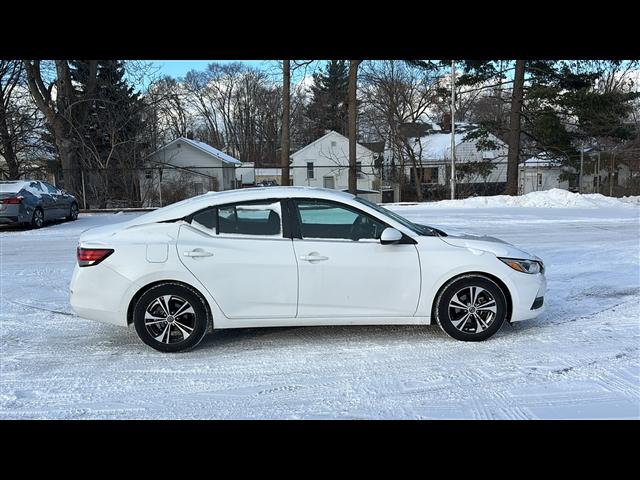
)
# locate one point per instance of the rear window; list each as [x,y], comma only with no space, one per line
[11,187]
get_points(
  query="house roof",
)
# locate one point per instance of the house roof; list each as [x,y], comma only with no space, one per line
[437,145]
[540,161]
[328,134]
[203,147]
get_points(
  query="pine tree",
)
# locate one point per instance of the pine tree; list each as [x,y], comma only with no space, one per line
[329,106]
[108,136]
[560,105]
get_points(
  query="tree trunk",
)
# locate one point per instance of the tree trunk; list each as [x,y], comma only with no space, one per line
[514,130]
[352,98]
[58,112]
[7,144]
[286,111]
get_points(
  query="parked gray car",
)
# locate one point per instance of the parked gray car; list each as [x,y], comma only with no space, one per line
[33,202]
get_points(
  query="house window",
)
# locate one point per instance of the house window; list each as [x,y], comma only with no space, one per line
[309,169]
[333,143]
[198,187]
[148,174]
[539,179]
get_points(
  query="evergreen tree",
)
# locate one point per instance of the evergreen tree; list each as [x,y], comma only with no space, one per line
[562,108]
[329,106]
[108,137]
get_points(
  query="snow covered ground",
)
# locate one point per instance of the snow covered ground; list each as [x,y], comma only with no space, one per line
[580,359]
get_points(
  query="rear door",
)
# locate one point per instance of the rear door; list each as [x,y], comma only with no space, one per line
[238,251]
[344,271]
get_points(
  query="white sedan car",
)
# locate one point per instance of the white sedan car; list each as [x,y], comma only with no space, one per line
[295,256]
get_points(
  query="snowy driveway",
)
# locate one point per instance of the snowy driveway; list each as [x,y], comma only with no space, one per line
[579,360]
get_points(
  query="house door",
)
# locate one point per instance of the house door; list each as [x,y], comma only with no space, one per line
[329,182]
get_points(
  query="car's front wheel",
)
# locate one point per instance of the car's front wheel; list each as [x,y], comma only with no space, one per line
[471,308]
[171,317]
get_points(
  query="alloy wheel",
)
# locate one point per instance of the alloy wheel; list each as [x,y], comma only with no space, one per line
[472,309]
[170,319]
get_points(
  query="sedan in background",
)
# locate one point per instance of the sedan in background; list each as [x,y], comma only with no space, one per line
[296,256]
[34,202]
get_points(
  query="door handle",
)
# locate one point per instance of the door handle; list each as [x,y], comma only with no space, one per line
[198,252]
[313,257]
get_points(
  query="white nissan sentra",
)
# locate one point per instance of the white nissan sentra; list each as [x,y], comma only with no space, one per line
[296,256]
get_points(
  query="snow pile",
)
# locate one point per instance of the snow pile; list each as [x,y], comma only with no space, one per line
[554,198]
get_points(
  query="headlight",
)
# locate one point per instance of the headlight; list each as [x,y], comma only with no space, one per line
[524,266]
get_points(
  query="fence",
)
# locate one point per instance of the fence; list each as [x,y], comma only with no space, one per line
[158,186]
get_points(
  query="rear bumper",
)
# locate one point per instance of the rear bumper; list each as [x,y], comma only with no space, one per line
[8,219]
[10,213]
[99,293]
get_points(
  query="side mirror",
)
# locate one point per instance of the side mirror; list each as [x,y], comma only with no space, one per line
[389,236]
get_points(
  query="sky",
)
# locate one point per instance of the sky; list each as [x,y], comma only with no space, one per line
[178,68]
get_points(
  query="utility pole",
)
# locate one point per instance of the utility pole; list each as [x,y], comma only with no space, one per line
[453,129]
[613,156]
[286,108]
[598,174]
[581,165]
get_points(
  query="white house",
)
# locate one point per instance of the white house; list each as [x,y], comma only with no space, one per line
[325,163]
[433,156]
[543,173]
[540,173]
[184,168]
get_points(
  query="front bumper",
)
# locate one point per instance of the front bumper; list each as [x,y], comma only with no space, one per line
[526,292]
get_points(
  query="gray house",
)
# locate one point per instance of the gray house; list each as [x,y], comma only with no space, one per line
[184,168]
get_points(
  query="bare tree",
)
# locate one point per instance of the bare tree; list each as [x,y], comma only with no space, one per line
[395,94]
[68,107]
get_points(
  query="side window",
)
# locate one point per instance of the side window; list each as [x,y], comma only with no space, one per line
[206,219]
[255,218]
[50,188]
[319,219]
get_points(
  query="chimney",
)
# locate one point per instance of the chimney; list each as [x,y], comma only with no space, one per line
[446,122]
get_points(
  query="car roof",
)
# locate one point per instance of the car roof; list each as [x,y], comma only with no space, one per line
[190,205]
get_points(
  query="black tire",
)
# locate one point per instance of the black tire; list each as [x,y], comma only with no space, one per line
[149,304]
[37,220]
[73,212]
[456,323]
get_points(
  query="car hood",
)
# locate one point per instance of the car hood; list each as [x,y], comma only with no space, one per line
[483,243]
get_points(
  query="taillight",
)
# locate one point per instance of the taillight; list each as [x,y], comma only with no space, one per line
[88,257]
[12,200]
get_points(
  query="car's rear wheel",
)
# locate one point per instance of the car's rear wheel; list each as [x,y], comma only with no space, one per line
[471,308]
[37,221]
[171,317]
[73,212]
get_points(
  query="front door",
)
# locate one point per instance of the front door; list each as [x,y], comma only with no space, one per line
[343,269]
[238,252]
[57,201]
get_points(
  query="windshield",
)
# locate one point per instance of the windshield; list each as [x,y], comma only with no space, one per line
[419,229]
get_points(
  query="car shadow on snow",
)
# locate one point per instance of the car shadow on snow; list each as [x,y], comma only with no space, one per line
[324,335]
[13,227]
